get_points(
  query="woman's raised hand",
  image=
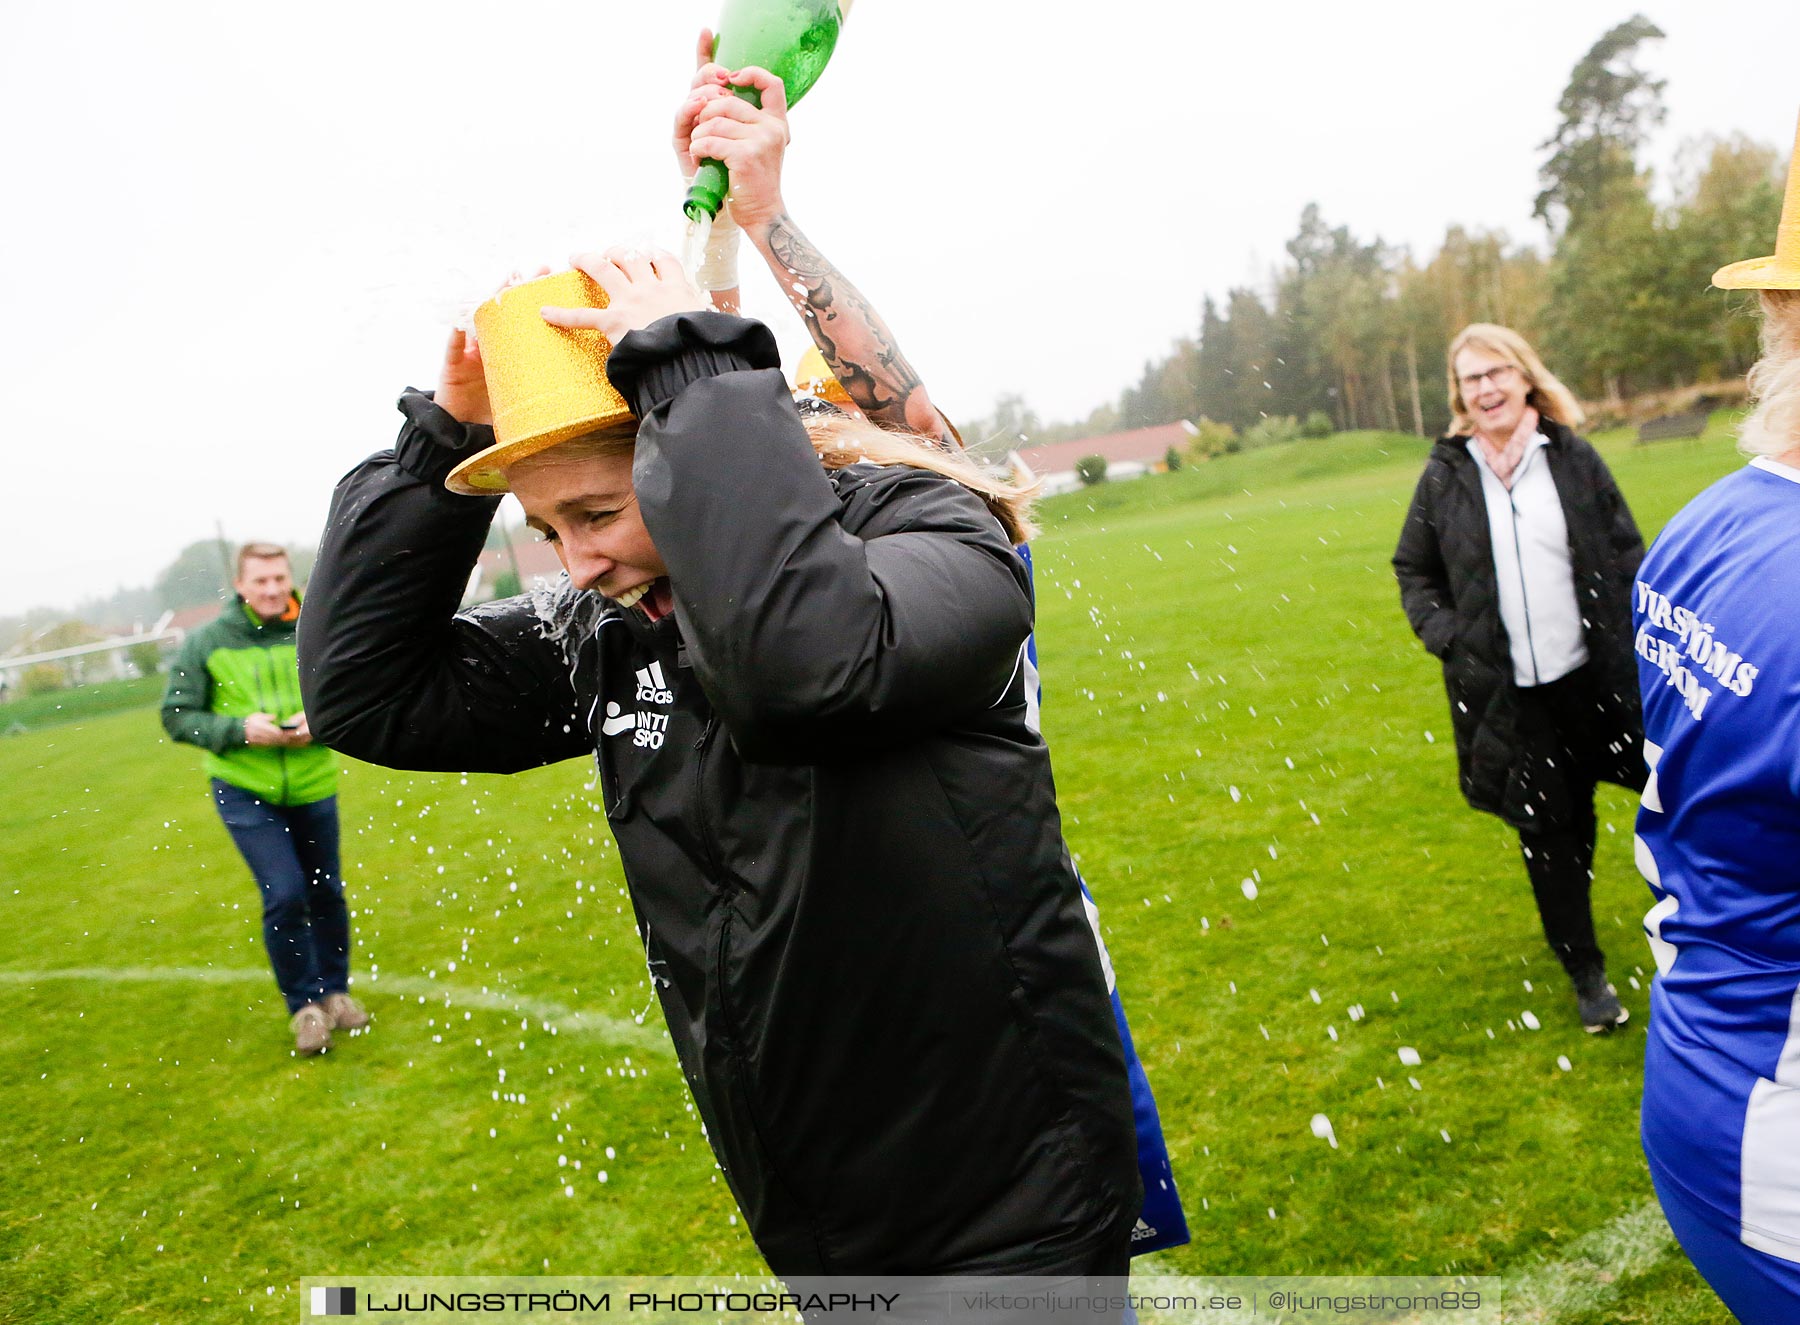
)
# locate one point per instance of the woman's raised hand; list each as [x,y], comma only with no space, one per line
[710,80]
[642,286]
[462,382]
[750,141]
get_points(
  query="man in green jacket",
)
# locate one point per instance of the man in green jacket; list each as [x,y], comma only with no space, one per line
[234,691]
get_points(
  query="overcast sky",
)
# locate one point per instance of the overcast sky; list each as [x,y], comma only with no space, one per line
[234,232]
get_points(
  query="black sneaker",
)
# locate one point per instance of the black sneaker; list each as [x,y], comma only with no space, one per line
[1599,1002]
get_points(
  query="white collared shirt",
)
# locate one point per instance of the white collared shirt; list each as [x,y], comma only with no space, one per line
[1532,567]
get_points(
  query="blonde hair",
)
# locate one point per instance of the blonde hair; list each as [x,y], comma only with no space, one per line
[1546,394]
[843,440]
[1773,425]
[261,551]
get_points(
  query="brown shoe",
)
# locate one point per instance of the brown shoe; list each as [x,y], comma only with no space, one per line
[312,1029]
[345,1012]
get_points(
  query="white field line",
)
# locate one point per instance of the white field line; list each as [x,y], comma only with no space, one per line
[567,1020]
[1588,1278]
[1542,1294]
[1538,1293]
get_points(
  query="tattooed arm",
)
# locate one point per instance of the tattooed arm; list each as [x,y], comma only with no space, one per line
[856,343]
[751,141]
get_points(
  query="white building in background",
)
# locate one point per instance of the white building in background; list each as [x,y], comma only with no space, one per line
[1128,455]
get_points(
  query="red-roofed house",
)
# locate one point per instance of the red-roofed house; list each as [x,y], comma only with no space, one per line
[185,619]
[537,561]
[1128,454]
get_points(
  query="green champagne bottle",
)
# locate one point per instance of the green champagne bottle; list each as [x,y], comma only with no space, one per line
[792,39]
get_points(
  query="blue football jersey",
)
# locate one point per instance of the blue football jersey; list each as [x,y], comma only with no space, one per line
[1716,615]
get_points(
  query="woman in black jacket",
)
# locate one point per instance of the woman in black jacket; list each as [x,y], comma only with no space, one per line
[1515,569]
[802,684]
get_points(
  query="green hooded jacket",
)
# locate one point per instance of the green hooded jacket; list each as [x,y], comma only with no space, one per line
[228,669]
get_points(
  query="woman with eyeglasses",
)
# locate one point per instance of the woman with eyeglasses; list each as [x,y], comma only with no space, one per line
[1515,569]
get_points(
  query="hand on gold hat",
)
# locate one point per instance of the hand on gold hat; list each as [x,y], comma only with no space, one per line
[462,382]
[462,385]
[642,286]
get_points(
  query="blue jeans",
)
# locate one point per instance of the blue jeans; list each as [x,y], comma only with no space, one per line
[293,852]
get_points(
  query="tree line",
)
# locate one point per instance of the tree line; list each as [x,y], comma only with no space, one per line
[1356,330]
[199,576]
[1351,332]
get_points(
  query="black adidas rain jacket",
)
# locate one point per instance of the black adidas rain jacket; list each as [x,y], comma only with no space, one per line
[840,837]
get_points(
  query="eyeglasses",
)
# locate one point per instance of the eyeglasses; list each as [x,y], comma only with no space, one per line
[1497,375]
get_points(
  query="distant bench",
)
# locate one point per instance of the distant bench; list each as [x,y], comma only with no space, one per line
[1690,423]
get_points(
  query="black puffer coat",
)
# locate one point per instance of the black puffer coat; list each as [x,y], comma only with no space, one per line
[840,835]
[1445,565]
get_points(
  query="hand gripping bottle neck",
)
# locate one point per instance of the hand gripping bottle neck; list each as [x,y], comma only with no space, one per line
[792,39]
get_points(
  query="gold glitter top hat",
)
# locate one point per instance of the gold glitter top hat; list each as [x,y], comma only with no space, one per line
[546,384]
[1781,270]
[813,378]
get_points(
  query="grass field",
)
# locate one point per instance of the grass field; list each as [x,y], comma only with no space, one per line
[52,707]
[1233,699]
